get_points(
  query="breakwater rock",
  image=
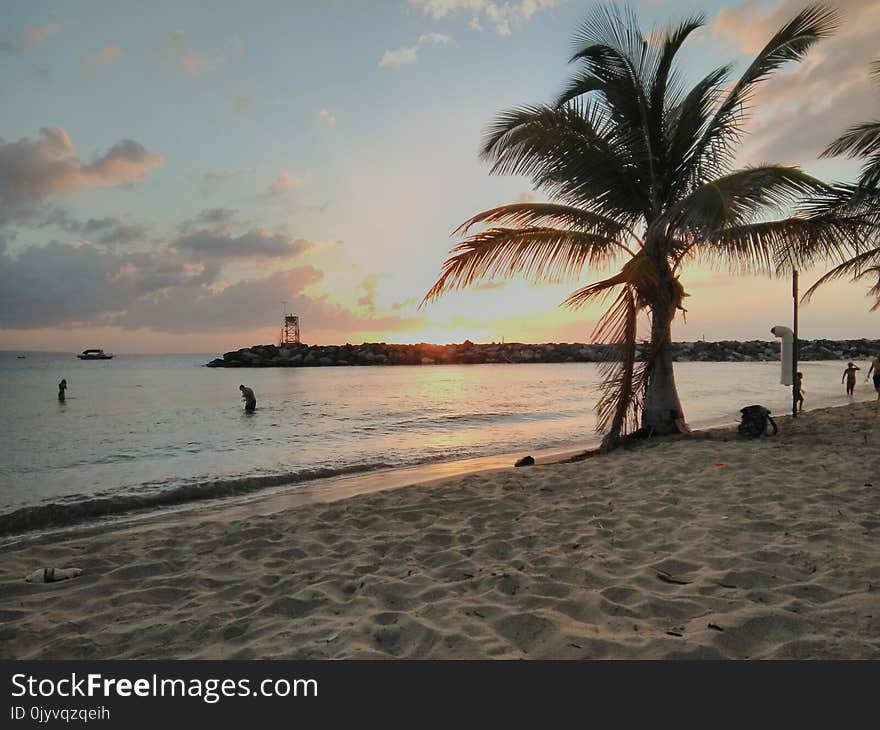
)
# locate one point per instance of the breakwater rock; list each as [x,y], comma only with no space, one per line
[380,353]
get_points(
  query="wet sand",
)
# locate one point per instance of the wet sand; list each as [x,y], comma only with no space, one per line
[689,547]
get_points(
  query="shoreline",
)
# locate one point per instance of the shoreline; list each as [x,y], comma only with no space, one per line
[291,495]
[677,547]
[285,493]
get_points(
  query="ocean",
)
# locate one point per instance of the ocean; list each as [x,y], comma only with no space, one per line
[143,431]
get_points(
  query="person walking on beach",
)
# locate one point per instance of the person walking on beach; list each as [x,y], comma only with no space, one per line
[800,392]
[62,386]
[875,368]
[850,376]
[247,395]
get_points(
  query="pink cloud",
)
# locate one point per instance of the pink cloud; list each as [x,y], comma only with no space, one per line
[30,37]
[105,55]
[31,170]
[285,183]
[178,53]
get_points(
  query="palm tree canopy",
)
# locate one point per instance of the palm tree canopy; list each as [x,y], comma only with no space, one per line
[862,140]
[626,149]
[861,200]
[640,169]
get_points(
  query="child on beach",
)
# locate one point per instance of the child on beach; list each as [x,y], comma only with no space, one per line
[62,386]
[850,376]
[800,392]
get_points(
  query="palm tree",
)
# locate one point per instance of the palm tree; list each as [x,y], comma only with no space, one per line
[639,169]
[861,141]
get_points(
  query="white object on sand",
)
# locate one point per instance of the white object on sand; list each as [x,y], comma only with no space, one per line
[51,575]
[787,337]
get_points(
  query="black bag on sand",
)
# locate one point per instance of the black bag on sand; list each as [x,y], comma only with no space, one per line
[754,422]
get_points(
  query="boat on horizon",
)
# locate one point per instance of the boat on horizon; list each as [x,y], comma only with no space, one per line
[95,354]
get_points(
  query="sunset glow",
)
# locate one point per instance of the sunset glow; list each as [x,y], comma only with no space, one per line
[243,170]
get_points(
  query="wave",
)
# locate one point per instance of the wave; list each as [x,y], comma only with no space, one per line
[59,514]
[455,419]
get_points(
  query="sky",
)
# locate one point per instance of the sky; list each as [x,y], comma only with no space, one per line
[173,175]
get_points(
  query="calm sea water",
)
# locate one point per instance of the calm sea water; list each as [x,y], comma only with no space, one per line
[137,426]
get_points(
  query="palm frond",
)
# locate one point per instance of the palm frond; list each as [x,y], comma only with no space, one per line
[855,268]
[619,63]
[742,196]
[791,43]
[612,26]
[619,400]
[862,140]
[775,247]
[874,291]
[574,153]
[547,214]
[664,74]
[858,141]
[537,253]
[597,290]
[684,125]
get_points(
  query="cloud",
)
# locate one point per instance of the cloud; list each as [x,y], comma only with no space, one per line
[254,243]
[210,217]
[107,231]
[105,55]
[215,179]
[503,16]
[32,170]
[285,183]
[490,286]
[410,54]
[60,283]
[41,75]
[804,107]
[410,303]
[245,304]
[369,287]
[241,103]
[29,37]
[178,53]
[399,57]
[326,118]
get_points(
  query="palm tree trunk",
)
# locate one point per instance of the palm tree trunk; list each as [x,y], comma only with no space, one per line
[662,405]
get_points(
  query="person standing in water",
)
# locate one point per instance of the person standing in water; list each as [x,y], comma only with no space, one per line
[850,376]
[247,395]
[800,392]
[875,368]
[62,386]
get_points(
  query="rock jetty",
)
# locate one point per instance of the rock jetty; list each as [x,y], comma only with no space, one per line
[380,353]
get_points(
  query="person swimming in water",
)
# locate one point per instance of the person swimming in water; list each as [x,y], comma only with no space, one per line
[247,395]
[62,386]
[875,367]
[850,376]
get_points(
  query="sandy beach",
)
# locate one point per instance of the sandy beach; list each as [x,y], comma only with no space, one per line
[706,546]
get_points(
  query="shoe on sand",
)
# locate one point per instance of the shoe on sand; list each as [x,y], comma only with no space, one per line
[51,575]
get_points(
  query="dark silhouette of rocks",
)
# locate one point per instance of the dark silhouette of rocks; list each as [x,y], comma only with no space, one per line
[380,353]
